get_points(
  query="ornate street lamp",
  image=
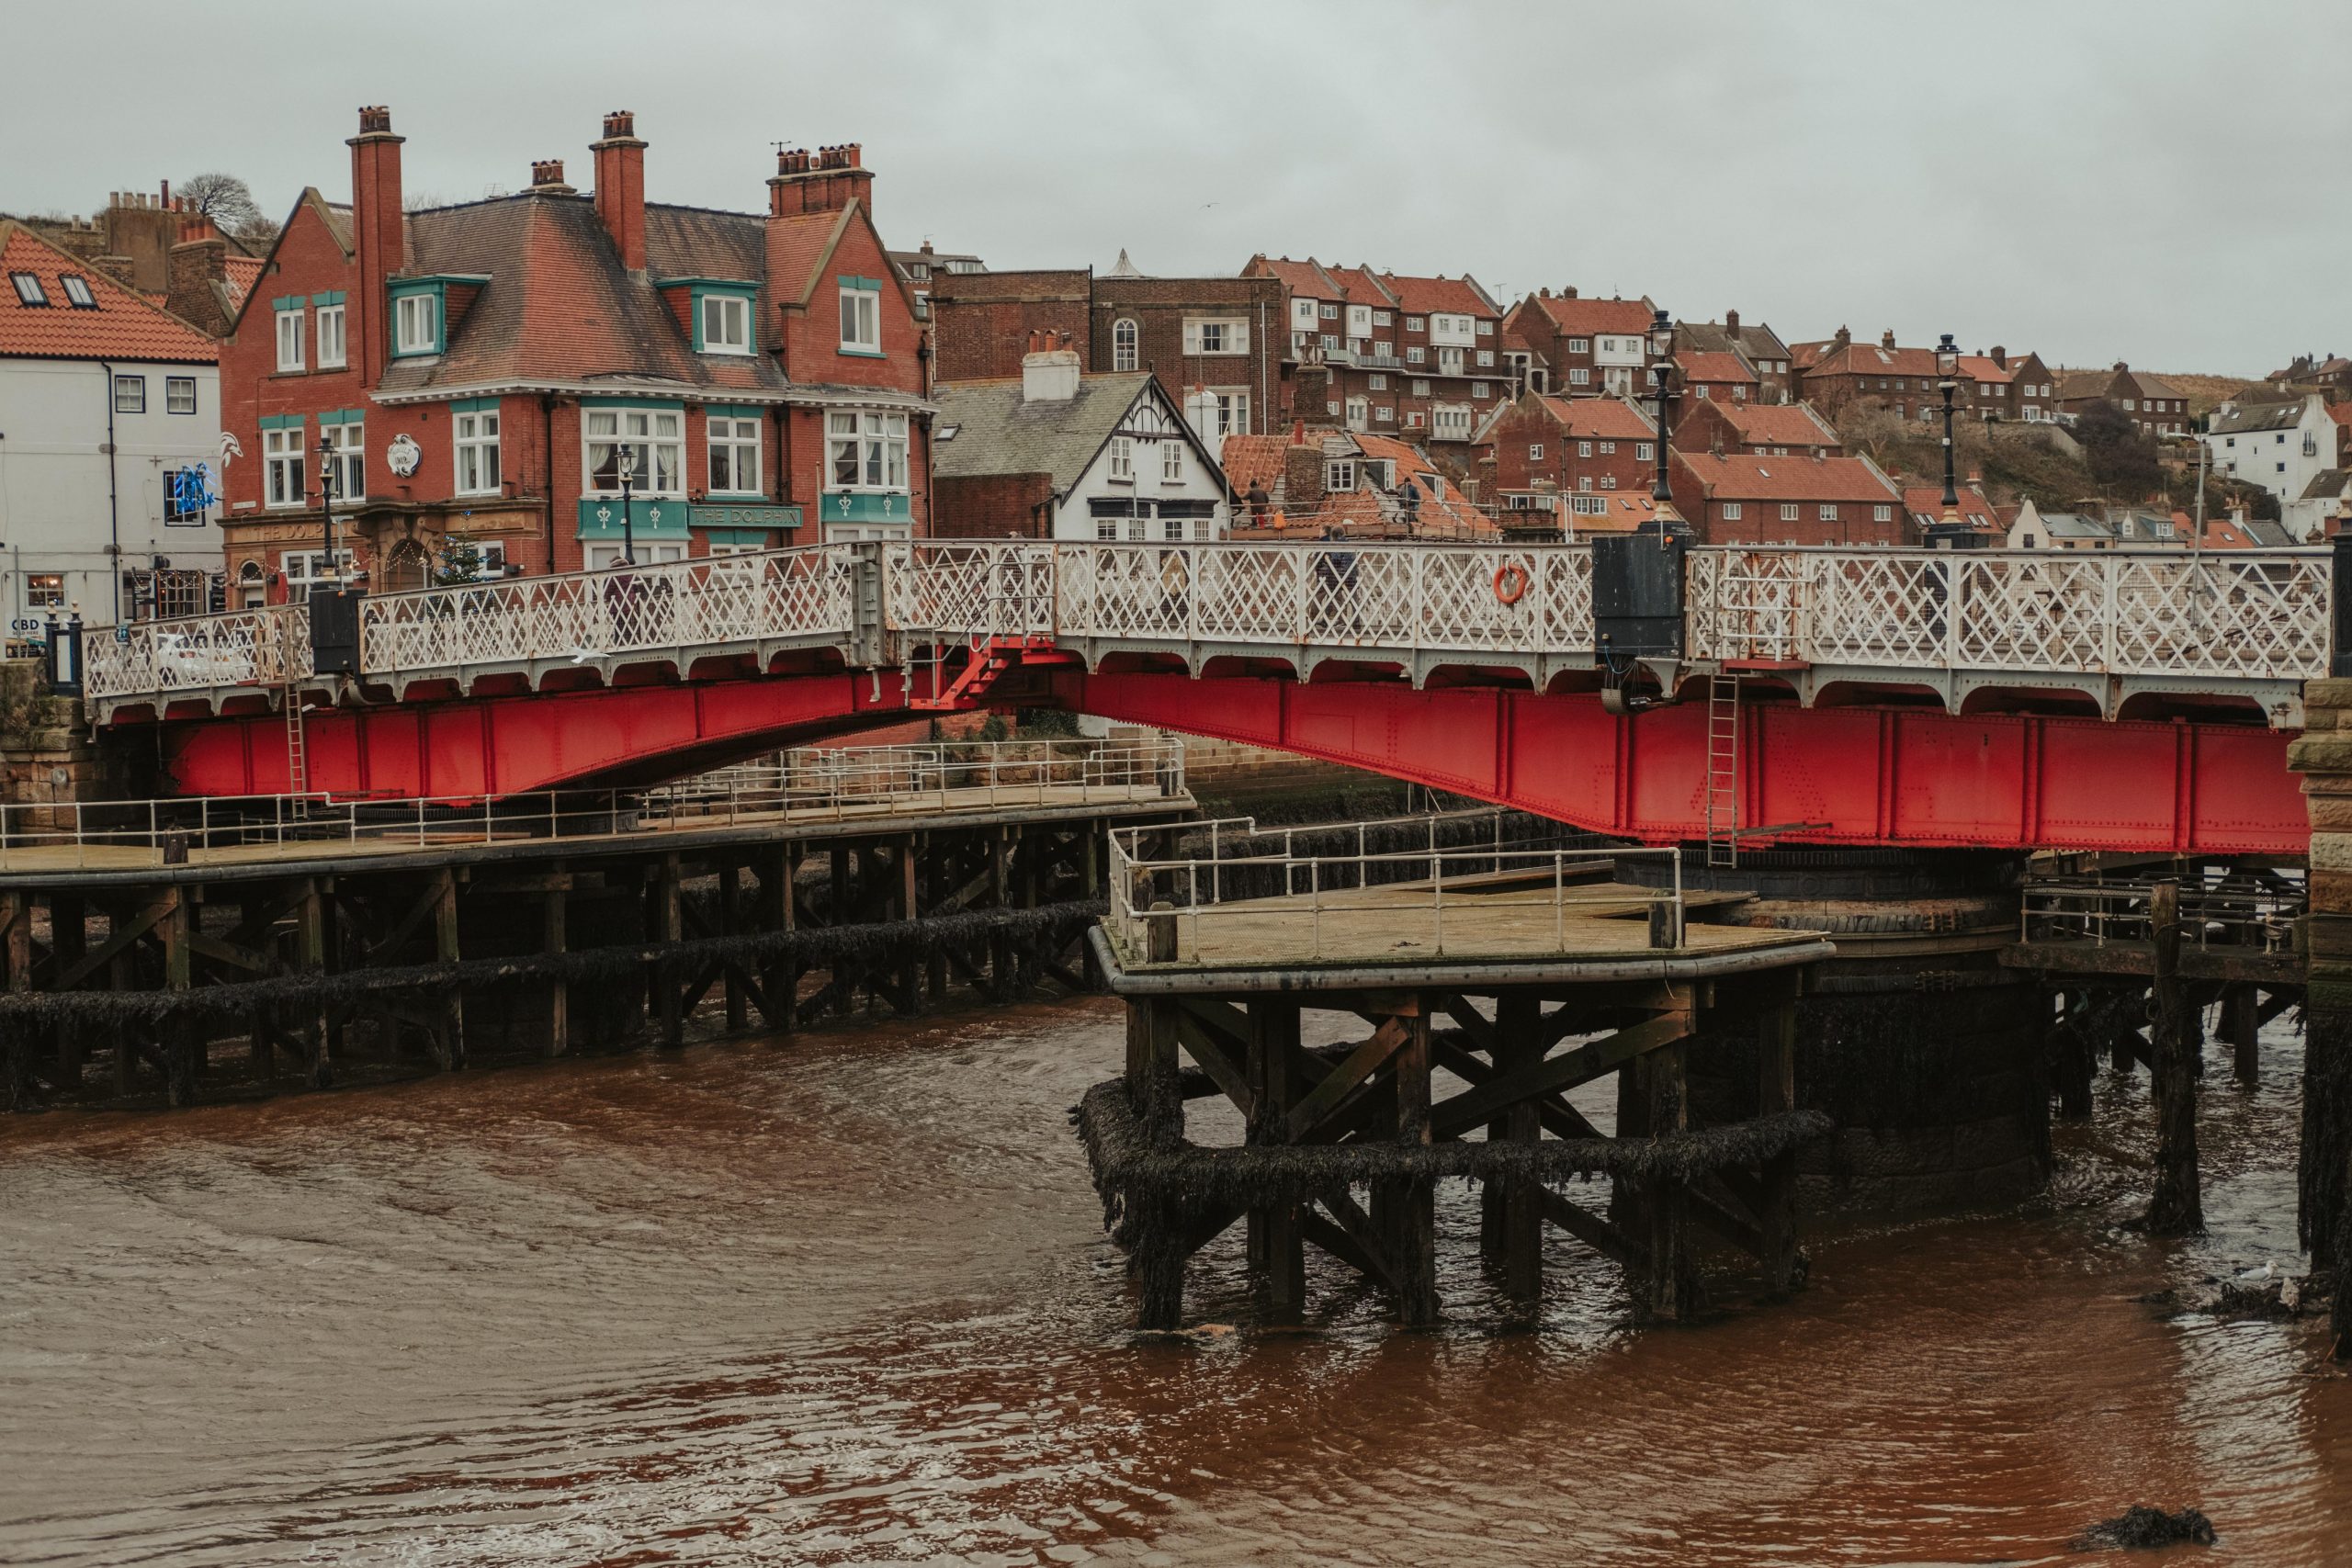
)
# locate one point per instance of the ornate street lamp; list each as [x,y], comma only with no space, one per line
[1665,522]
[326,508]
[628,481]
[1950,532]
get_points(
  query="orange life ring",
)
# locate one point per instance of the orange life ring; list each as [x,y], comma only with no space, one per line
[1510,582]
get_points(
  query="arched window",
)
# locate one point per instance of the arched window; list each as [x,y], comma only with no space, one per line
[1123,344]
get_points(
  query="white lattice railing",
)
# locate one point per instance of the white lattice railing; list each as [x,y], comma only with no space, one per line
[2231,614]
[243,648]
[2237,614]
[676,604]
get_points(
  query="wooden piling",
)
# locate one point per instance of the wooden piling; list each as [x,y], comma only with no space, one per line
[2176,1207]
[1276,1243]
[1776,1091]
[2242,1023]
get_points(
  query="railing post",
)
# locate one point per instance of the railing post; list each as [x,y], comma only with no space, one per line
[2340,594]
[2109,567]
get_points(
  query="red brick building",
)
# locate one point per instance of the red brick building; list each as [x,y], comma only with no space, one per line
[1215,344]
[1706,377]
[1418,359]
[1840,373]
[1757,344]
[480,371]
[1578,347]
[1817,499]
[1762,430]
[2150,402]
[1545,445]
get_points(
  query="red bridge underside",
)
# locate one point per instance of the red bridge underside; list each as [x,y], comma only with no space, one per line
[1850,776]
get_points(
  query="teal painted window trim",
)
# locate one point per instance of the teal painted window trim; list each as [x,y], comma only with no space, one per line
[703,288]
[671,521]
[402,289]
[864,354]
[671,404]
[344,416]
[281,421]
[734,410]
[866,506]
[331,297]
[851,280]
[746,284]
[474,405]
[287,302]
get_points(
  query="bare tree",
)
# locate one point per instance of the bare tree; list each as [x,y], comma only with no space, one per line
[229,202]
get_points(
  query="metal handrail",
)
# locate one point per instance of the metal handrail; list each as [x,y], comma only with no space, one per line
[809,785]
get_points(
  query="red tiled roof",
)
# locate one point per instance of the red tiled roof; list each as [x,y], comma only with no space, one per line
[1305,277]
[1974,509]
[1777,424]
[1580,316]
[1246,458]
[1430,296]
[1699,366]
[1980,367]
[1600,418]
[1358,286]
[1871,360]
[1628,510]
[126,324]
[1739,477]
[2340,412]
[243,272]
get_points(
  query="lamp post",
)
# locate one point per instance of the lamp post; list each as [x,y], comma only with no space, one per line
[628,482]
[1665,521]
[1951,531]
[326,507]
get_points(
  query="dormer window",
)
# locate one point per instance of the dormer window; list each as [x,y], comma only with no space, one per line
[77,291]
[28,289]
[725,323]
[416,323]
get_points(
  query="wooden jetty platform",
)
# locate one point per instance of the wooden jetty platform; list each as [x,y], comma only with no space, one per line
[1492,981]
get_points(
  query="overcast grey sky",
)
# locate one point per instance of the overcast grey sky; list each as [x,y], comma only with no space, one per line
[2160,182]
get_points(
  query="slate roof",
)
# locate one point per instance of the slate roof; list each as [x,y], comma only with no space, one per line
[997,433]
[2075,525]
[2238,419]
[1756,340]
[2328,484]
[125,325]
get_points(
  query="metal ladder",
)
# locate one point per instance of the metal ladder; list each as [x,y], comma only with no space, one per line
[1722,769]
[298,763]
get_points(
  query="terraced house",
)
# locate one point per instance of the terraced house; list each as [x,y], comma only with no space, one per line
[552,376]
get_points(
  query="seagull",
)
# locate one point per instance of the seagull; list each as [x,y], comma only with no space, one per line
[582,655]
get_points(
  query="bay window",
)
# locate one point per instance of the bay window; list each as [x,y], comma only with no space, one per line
[477,448]
[868,449]
[735,454]
[654,439]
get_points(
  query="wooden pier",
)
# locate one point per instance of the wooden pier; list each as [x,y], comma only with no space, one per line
[1492,982]
[313,946]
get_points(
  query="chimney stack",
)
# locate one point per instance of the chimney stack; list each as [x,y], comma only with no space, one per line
[1844,339]
[621,187]
[1731,325]
[377,231]
[2000,357]
[1886,338]
[547,178]
[1049,371]
[197,262]
[824,181]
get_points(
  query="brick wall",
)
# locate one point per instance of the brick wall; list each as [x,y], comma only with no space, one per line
[993,506]
[981,320]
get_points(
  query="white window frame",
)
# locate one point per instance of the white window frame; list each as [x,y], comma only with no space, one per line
[350,456]
[175,389]
[1825,512]
[477,453]
[875,441]
[1535,451]
[130,393]
[1172,462]
[861,320]
[333,344]
[1232,411]
[1123,459]
[416,323]
[1380,383]
[1339,475]
[738,436]
[1126,343]
[731,314]
[289,341]
[77,291]
[28,289]
[1579,377]
[658,437]
[1881,514]
[283,466]
[1731,511]
[301,569]
[1789,511]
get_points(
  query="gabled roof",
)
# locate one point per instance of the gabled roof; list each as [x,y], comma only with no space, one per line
[1741,477]
[1305,277]
[2155,386]
[2075,525]
[1757,339]
[1777,424]
[1245,457]
[2238,419]
[1434,296]
[1980,367]
[997,431]
[1860,358]
[1599,419]
[1361,286]
[1925,504]
[1578,316]
[126,324]
[1698,364]
[2329,484]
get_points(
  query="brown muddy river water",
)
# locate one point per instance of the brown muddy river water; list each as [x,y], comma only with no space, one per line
[848,1301]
